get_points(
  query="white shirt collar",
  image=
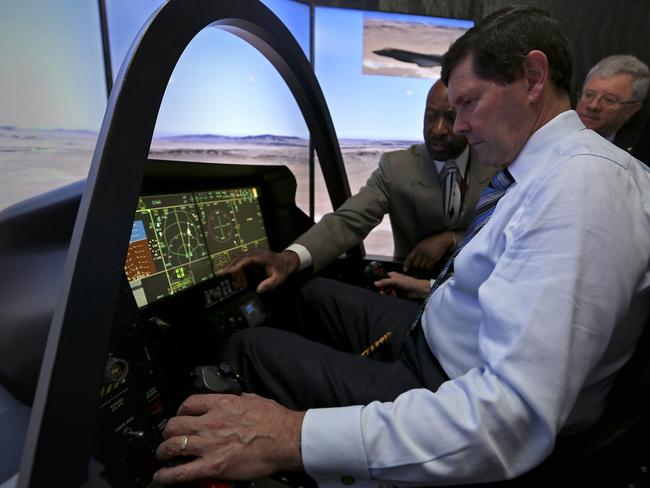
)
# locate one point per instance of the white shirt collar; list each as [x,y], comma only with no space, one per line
[461,162]
[523,167]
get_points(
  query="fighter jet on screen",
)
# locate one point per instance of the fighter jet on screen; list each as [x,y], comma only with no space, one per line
[421,59]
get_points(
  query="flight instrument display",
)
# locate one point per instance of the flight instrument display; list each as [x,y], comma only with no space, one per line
[179,240]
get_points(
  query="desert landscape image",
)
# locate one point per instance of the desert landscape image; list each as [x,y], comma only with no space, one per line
[416,37]
[35,161]
[245,114]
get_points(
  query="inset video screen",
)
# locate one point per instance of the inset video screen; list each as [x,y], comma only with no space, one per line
[179,240]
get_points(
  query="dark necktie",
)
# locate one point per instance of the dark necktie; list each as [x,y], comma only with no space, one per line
[484,208]
[452,192]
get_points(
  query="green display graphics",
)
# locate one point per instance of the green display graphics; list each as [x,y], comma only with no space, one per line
[180,240]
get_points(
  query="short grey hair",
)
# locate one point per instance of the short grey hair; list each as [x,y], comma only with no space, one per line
[624,63]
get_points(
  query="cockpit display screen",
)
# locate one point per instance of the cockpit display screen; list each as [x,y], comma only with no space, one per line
[232,223]
[180,240]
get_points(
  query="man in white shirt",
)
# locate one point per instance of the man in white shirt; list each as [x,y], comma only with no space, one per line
[539,309]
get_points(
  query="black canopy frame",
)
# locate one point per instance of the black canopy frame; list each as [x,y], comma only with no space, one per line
[59,440]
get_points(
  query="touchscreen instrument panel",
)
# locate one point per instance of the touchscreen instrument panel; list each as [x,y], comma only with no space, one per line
[180,240]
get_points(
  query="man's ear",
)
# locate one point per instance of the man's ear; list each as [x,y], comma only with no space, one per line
[536,73]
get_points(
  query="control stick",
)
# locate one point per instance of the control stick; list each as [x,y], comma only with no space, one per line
[216,379]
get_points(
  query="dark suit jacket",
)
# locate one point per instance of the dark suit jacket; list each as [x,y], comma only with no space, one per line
[627,136]
[407,188]
[641,149]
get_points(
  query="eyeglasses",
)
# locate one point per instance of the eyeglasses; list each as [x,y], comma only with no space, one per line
[609,101]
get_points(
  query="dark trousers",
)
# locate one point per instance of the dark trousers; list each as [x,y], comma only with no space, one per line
[322,366]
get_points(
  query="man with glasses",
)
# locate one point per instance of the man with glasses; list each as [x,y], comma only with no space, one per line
[612,93]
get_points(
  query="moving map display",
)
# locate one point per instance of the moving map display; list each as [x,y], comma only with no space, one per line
[180,240]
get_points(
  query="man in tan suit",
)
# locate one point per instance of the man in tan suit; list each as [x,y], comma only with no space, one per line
[429,192]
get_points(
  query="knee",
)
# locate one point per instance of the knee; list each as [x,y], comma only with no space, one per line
[244,341]
[255,354]
[241,351]
[319,293]
[316,289]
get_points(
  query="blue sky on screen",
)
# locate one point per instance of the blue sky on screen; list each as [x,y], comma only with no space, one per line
[367,106]
[221,84]
[52,70]
[53,74]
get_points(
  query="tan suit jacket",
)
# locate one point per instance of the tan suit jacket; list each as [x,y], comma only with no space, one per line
[405,186]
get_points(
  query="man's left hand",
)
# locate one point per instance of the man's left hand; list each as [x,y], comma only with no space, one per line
[428,252]
[230,437]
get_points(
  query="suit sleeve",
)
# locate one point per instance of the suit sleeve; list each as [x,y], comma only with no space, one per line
[341,230]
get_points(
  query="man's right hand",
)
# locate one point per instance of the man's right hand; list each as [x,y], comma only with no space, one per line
[278,266]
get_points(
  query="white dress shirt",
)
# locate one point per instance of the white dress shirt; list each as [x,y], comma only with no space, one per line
[461,161]
[545,304]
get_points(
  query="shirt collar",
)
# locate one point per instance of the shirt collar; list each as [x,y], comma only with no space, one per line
[461,162]
[523,167]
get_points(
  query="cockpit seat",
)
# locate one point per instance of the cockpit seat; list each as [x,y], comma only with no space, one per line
[14,417]
[34,239]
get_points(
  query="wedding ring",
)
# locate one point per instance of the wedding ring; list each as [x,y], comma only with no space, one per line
[186,438]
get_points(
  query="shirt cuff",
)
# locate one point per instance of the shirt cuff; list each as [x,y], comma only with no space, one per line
[332,447]
[303,254]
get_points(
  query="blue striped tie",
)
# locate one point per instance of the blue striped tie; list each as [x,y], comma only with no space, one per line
[484,208]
